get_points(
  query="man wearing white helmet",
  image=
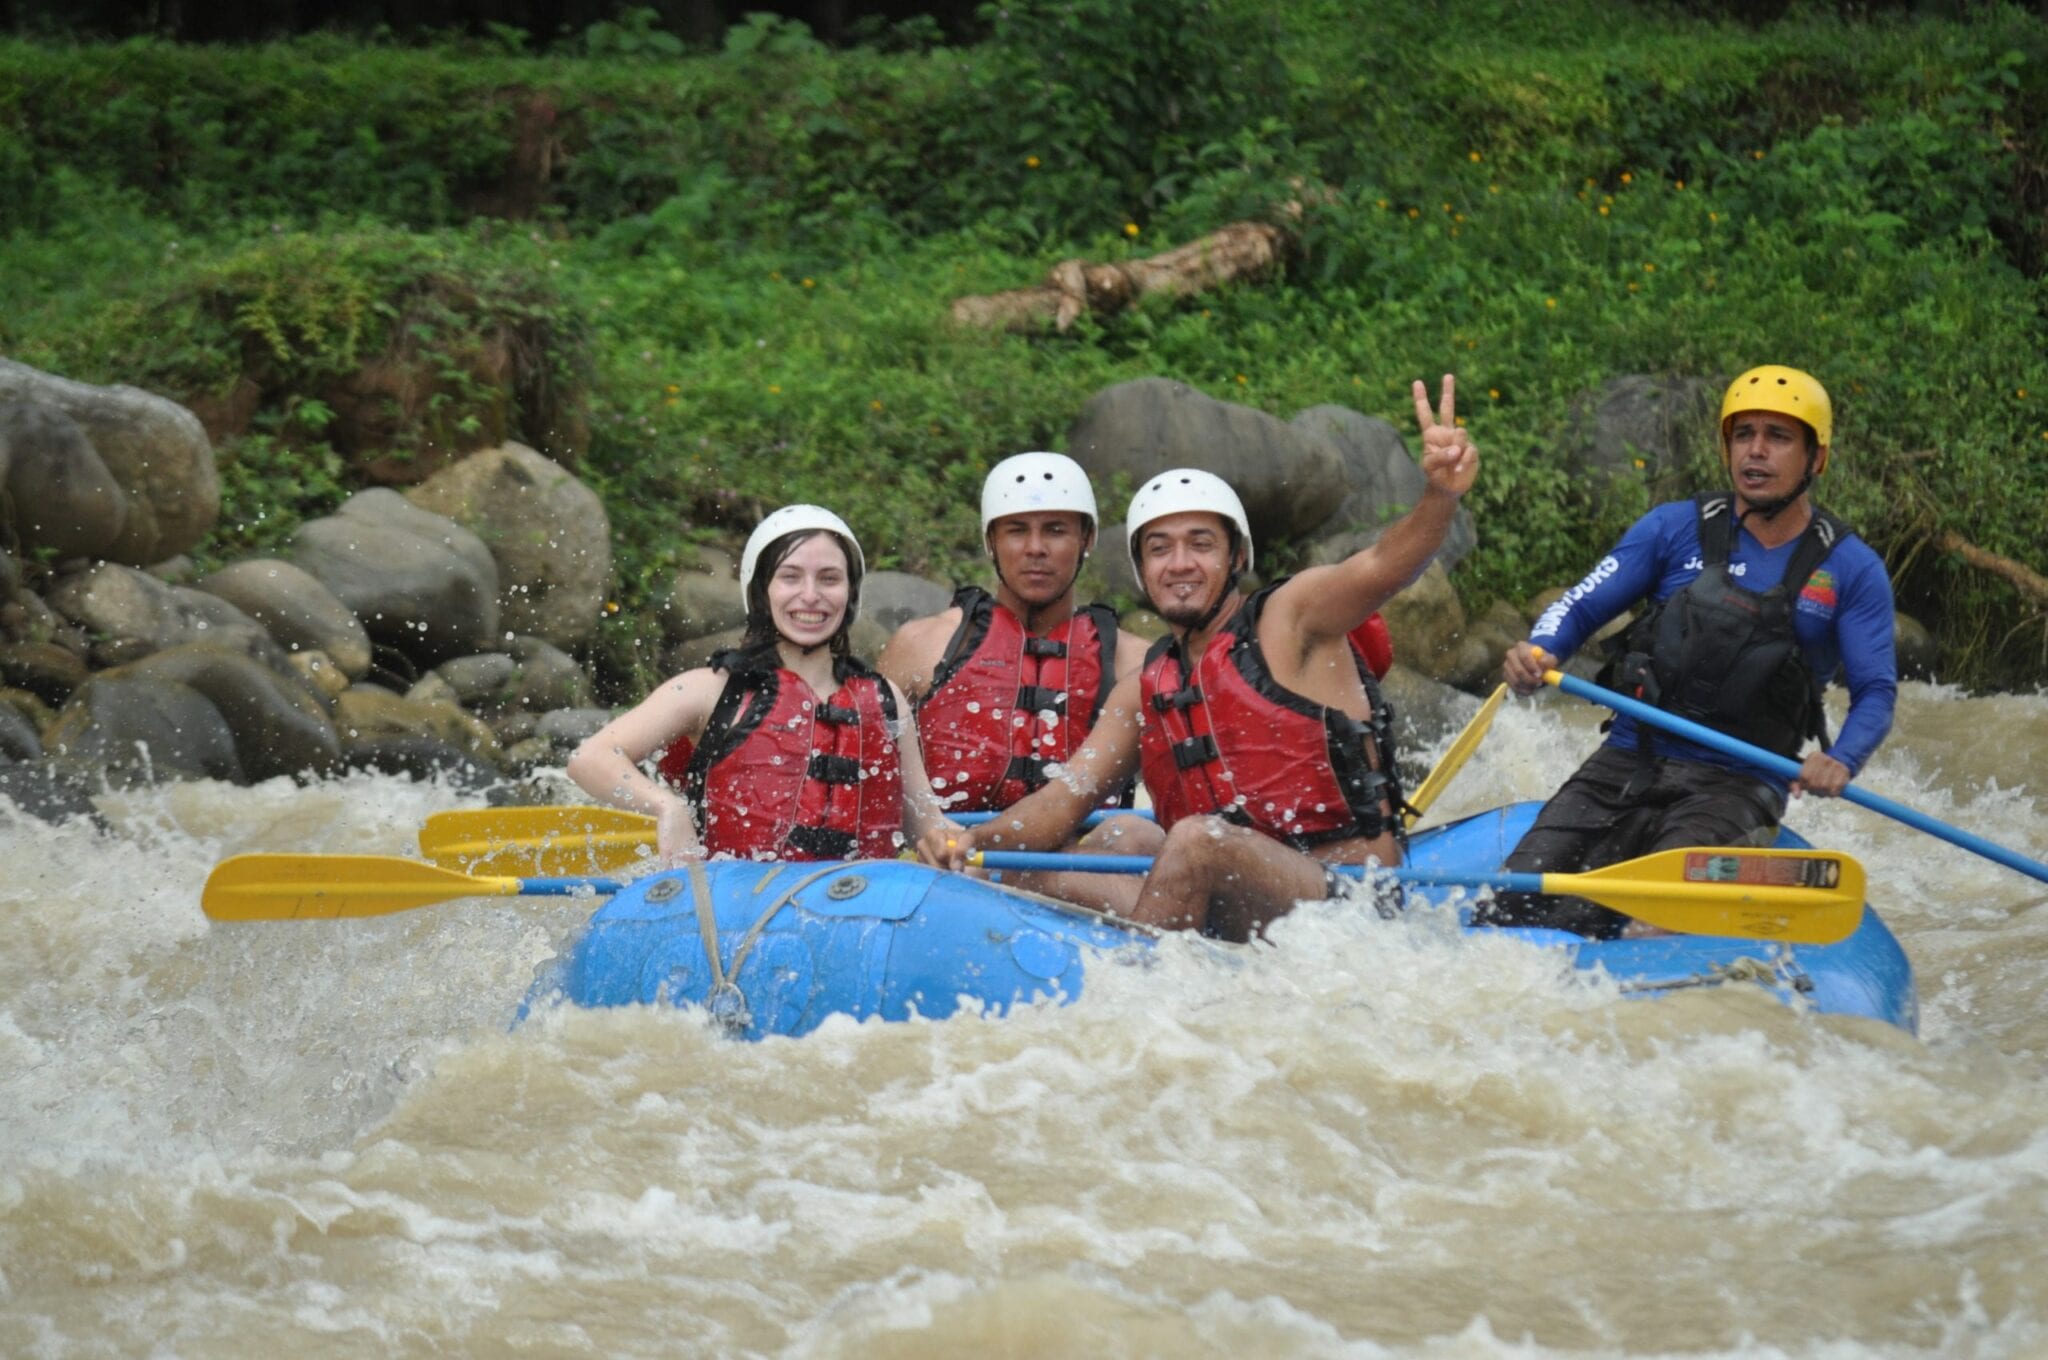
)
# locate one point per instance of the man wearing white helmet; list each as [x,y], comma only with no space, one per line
[1251,722]
[795,748]
[1008,684]
[1757,598]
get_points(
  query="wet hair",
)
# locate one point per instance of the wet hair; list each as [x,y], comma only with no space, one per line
[761,636]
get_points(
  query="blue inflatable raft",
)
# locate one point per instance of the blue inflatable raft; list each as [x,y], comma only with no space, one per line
[776,948]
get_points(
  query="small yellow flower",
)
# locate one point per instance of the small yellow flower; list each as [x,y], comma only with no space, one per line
[1679,185]
[1550,302]
[1242,380]
[1603,210]
[1633,286]
[1493,394]
[1649,268]
[2021,394]
[1205,314]
[1493,188]
[1360,382]
[611,606]
[1471,344]
[1756,155]
[1130,229]
[875,405]
[1460,422]
[1472,156]
[1606,198]
[810,283]
[1627,178]
[1589,181]
[1447,207]
[1640,465]
[1415,212]
[775,275]
[1031,162]
[1457,217]
[1713,217]
[672,389]
[774,389]
[1382,202]
[1454,231]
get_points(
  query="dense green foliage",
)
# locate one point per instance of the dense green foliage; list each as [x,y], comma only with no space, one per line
[741,265]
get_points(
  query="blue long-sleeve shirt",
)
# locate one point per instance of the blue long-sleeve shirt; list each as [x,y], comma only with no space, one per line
[1843,620]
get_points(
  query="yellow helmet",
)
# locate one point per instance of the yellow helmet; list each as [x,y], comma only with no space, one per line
[1788,392]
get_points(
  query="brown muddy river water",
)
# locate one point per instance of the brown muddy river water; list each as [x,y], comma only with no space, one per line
[1366,1139]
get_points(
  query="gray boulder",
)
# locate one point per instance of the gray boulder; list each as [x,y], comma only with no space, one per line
[43,669]
[547,532]
[704,598]
[548,678]
[140,731]
[1917,651]
[1382,480]
[368,714]
[1648,430]
[279,726]
[567,728]
[18,739]
[299,612]
[1427,623]
[1290,480]
[63,498]
[893,598]
[482,680]
[419,582]
[155,450]
[124,606]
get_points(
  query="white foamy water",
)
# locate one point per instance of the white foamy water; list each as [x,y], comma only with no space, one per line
[1366,1139]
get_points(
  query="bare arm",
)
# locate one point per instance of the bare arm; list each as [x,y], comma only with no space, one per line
[1048,818]
[914,652]
[1327,602]
[922,817]
[607,765]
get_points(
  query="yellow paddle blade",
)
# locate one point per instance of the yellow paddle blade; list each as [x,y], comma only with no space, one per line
[1460,751]
[538,840]
[322,887]
[1798,896]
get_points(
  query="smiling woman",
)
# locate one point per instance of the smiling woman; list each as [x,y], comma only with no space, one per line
[787,747]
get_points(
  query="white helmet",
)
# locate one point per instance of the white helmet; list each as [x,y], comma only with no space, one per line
[1026,482]
[792,519]
[1179,489]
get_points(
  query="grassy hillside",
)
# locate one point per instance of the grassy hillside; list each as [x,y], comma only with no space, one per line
[721,282]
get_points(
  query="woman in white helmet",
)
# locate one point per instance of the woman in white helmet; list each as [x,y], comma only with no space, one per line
[797,749]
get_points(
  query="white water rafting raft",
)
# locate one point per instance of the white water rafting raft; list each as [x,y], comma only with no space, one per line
[777,948]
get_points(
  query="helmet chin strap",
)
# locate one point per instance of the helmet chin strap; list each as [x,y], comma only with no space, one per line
[1770,510]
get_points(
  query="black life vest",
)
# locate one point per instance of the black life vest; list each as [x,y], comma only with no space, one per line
[1726,656]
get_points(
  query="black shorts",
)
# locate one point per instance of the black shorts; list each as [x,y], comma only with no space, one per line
[1613,808]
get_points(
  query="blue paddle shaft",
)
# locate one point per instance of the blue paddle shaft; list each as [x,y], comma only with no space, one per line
[1025,860]
[1095,818]
[569,887]
[1780,765]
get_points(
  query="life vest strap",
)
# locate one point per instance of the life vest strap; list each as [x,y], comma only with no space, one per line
[830,769]
[1195,751]
[1040,646]
[822,842]
[1037,698]
[837,716]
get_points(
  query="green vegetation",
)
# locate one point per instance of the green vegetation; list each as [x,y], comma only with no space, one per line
[720,282]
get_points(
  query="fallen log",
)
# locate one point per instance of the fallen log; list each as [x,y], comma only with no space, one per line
[2024,579]
[1075,288]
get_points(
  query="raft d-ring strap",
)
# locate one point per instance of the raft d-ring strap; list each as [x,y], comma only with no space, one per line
[726,1002]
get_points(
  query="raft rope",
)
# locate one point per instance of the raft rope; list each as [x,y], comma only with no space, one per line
[1780,971]
[726,1003]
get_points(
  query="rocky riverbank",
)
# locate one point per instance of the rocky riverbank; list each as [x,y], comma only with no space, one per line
[446,627]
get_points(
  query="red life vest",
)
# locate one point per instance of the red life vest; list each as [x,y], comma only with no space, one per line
[1231,740]
[779,775]
[1375,644]
[983,725]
